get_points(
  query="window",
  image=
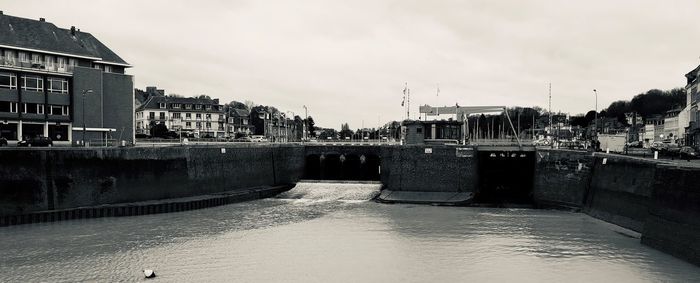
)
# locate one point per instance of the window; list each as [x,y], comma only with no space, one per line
[9,57]
[33,108]
[188,124]
[198,107]
[57,85]
[58,110]
[61,63]
[208,107]
[49,62]
[36,59]
[108,69]
[188,115]
[8,80]
[23,57]
[199,116]
[176,105]
[230,120]
[55,110]
[162,115]
[208,116]
[176,116]
[152,115]
[208,125]
[13,107]
[72,62]
[161,105]
[32,83]
[188,106]
[199,125]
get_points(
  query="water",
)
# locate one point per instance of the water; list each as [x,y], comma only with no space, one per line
[332,233]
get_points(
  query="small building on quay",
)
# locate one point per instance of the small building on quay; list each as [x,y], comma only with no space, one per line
[61,83]
[432,132]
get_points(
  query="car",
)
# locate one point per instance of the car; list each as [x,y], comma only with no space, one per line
[36,141]
[688,152]
[3,141]
[635,144]
[257,138]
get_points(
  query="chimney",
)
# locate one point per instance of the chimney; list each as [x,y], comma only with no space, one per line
[72,30]
[0,12]
[42,19]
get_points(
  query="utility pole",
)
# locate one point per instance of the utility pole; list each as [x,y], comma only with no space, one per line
[85,91]
[550,113]
[595,127]
[306,120]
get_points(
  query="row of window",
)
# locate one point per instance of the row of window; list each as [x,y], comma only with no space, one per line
[33,108]
[33,83]
[161,115]
[164,105]
[49,62]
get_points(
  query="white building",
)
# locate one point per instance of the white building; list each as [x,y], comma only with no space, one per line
[197,116]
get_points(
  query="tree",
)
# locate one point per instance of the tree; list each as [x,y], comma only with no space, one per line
[235,105]
[312,126]
[159,130]
[345,131]
[202,96]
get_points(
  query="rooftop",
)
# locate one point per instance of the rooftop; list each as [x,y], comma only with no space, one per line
[16,32]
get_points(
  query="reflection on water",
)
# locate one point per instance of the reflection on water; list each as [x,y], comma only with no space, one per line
[330,233]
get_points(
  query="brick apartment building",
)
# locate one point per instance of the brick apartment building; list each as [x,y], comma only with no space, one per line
[48,73]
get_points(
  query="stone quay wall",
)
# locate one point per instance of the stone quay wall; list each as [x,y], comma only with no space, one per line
[52,179]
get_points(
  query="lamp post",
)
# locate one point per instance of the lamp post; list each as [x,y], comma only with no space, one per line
[85,91]
[306,121]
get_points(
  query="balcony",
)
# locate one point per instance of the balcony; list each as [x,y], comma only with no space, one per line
[14,63]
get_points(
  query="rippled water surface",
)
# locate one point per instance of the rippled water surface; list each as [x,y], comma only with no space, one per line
[332,233]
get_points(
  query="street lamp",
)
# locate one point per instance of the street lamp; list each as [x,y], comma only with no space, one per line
[596,112]
[85,91]
[306,121]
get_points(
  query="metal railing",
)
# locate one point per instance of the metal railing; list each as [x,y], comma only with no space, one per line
[15,63]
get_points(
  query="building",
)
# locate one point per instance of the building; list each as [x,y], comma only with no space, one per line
[61,83]
[238,123]
[200,117]
[692,129]
[671,130]
[434,131]
[653,129]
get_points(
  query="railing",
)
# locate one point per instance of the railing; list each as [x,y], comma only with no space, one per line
[15,63]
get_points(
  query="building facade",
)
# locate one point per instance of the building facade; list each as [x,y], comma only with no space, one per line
[692,129]
[61,83]
[200,117]
[238,123]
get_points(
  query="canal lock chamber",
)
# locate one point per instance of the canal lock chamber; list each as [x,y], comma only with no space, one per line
[345,167]
[505,177]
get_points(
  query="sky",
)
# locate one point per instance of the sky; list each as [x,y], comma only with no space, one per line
[348,61]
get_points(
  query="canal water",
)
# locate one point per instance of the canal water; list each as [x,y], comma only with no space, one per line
[333,233]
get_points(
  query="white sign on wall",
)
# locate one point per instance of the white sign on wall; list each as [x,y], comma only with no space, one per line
[428,150]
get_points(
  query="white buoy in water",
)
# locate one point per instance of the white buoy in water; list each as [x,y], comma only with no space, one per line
[149,273]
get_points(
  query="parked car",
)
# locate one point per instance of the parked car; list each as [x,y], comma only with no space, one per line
[688,152]
[36,141]
[257,138]
[3,141]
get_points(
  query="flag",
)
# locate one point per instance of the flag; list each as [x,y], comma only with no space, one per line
[438,90]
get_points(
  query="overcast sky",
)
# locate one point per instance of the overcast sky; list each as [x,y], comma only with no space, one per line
[348,60]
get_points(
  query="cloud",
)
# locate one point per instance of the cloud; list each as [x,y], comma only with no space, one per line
[348,60]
